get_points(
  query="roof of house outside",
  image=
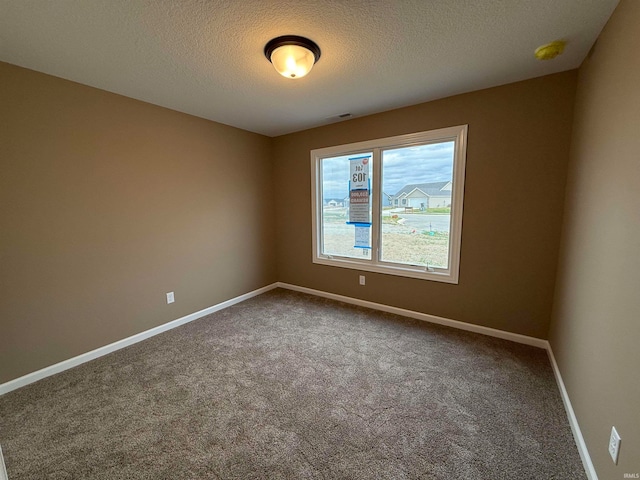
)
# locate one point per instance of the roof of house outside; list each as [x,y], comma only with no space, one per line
[431,189]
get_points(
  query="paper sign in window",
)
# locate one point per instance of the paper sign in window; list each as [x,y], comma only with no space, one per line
[359,206]
[363,236]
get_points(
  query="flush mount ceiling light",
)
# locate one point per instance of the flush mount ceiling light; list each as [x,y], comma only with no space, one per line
[292,56]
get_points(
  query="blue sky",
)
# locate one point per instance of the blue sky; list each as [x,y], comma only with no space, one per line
[419,164]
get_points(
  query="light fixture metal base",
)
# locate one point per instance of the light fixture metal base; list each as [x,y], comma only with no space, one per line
[292,40]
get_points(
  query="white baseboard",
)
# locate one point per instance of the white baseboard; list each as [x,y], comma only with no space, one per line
[492,332]
[573,421]
[514,337]
[99,352]
[112,347]
[3,468]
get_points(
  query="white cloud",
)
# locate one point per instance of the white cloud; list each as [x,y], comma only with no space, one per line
[419,164]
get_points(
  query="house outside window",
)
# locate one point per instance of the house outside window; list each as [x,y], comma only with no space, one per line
[415,230]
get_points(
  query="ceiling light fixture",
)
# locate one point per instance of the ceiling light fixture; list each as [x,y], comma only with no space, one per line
[292,56]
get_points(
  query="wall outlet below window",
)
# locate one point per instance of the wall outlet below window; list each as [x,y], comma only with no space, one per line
[362,280]
[170,297]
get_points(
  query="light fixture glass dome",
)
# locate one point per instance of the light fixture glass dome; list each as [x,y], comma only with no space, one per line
[292,61]
[292,56]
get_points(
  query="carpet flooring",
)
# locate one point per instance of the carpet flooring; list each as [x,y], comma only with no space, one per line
[290,386]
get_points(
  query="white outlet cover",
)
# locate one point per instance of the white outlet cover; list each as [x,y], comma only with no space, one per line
[170,297]
[614,445]
[362,280]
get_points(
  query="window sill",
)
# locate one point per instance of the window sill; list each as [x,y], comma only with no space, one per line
[437,275]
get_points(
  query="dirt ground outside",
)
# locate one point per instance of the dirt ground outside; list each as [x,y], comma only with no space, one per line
[400,243]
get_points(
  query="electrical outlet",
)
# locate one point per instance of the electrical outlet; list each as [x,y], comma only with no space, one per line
[170,297]
[614,445]
[362,280]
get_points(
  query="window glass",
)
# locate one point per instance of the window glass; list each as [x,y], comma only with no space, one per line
[392,205]
[338,234]
[421,176]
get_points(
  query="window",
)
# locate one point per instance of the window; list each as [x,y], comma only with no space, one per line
[401,212]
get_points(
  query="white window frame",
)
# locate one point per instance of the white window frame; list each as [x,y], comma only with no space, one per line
[458,134]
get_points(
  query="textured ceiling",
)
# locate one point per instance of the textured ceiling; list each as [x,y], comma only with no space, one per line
[204,57]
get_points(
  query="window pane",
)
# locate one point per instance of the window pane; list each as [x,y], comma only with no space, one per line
[338,237]
[416,204]
[418,190]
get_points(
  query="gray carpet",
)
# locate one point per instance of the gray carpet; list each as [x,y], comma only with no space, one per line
[290,386]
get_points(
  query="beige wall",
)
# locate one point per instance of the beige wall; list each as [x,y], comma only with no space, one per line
[106,204]
[518,147]
[595,333]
